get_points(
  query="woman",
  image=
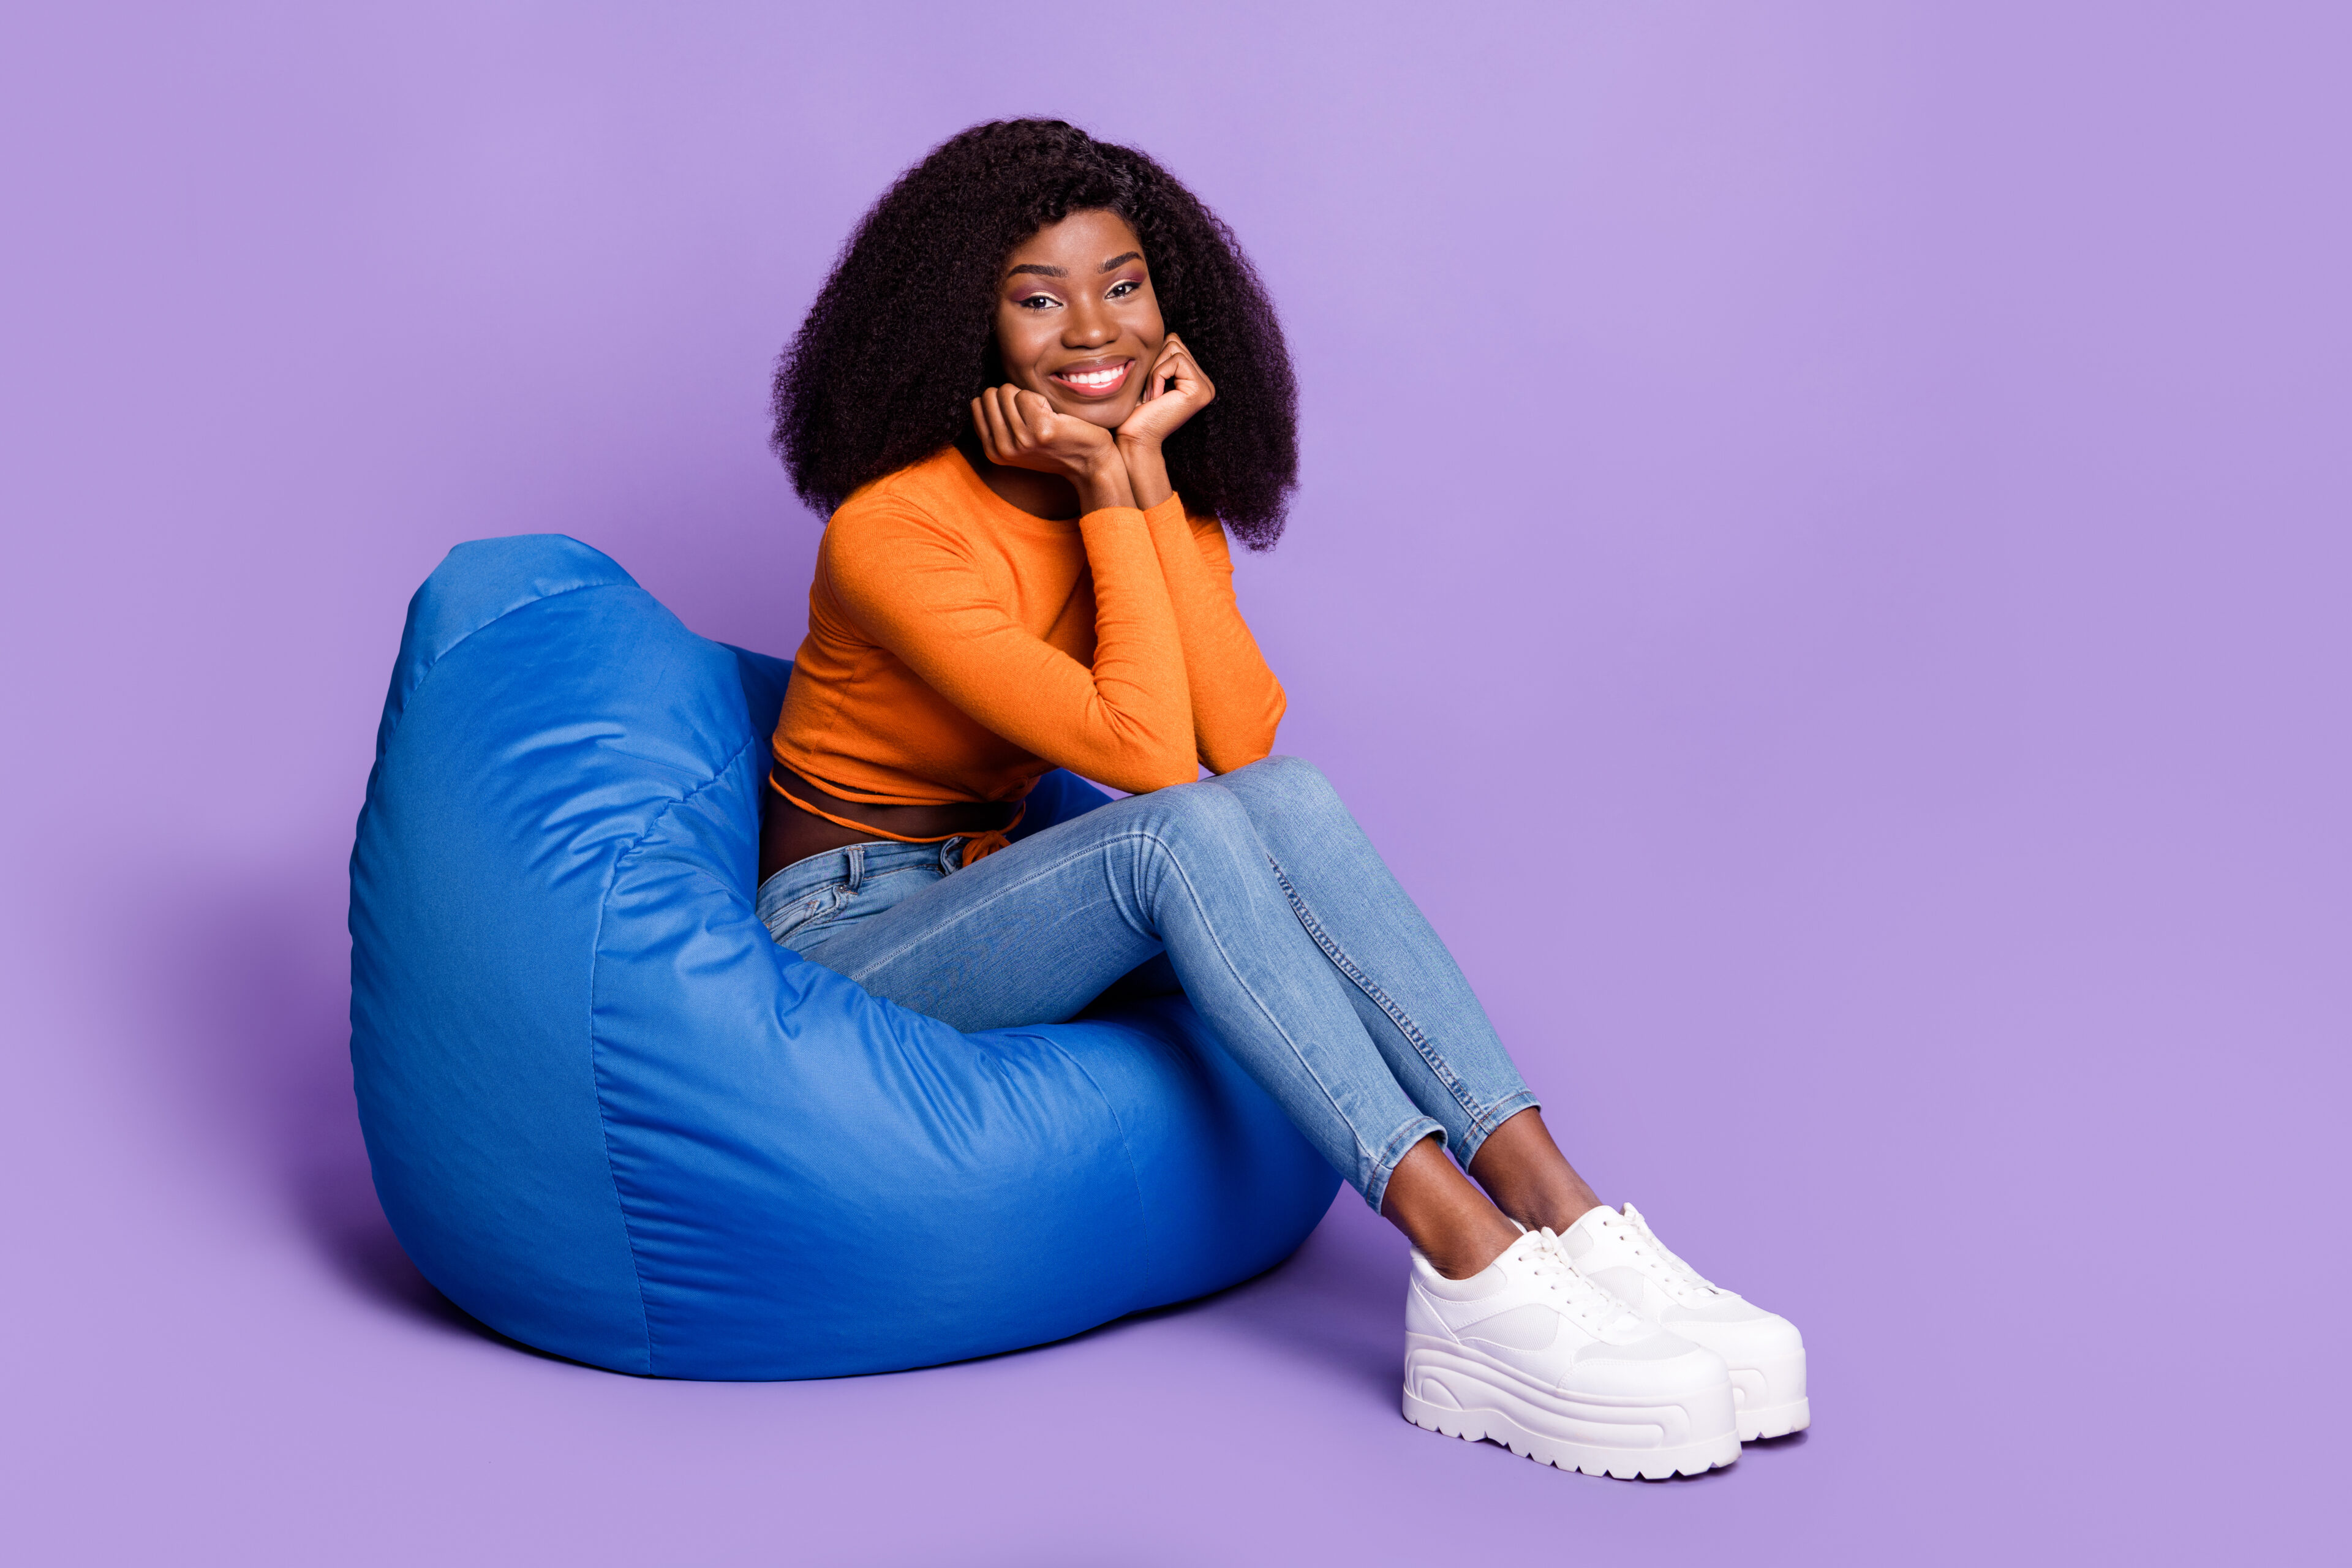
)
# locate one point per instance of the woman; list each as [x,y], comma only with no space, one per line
[1003,397]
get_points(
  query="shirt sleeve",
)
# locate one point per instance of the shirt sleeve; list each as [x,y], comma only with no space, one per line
[1237,704]
[913,586]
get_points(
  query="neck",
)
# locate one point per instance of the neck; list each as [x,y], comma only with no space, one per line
[1040,495]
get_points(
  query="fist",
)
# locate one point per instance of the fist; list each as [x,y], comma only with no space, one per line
[1174,391]
[1020,429]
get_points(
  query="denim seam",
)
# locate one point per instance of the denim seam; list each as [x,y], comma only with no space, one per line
[812,908]
[1396,1149]
[830,902]
[1216,941]
[1201,910]
[924,868]
[1380,999]
[1494,1115]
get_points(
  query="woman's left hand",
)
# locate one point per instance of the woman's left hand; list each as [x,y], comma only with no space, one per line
[1174,391]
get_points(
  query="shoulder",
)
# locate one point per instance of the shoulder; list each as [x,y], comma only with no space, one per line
[917,508]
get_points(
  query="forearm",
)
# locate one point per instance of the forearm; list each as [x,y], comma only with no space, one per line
[1236,701]
[1139,682]
[1108,482]
[1147,471]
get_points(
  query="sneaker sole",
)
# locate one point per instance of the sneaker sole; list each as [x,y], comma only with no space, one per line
[1771,1398]
[1775,1420]
[1474,1417]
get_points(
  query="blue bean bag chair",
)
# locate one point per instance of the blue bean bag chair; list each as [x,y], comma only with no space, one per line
[610,1118]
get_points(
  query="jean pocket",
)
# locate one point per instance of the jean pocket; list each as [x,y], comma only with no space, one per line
[798,916]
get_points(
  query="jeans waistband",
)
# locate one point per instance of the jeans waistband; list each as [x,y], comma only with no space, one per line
[854,865]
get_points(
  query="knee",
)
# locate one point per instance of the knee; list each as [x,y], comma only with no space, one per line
[1288,785]
[1198,814]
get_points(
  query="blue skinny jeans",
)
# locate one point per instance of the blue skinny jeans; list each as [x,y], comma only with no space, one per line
[1280,921]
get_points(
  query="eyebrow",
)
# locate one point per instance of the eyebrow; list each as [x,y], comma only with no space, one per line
[1044,271]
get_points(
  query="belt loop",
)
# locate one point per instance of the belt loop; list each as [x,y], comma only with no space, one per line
[856,855]
[950,856]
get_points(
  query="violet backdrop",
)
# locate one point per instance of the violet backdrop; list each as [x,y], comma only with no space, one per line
[1823,560]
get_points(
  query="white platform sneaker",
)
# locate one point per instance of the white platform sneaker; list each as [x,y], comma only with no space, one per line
[1531,1354]
[1763,1350]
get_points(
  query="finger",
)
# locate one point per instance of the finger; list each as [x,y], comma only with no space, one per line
[1036,413]
[1171,377]
[980,429]
[1172,354]
[996,424]
[1017,430]
[1007,447]
[1194,379]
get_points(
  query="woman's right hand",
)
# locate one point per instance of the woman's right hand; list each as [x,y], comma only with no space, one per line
[1020,429]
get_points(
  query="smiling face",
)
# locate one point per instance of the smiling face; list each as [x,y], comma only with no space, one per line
[1076,320]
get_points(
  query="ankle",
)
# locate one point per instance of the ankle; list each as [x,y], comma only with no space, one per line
[1473,1249]
[1559,1216]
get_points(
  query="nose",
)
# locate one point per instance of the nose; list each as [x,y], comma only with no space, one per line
[1088,325]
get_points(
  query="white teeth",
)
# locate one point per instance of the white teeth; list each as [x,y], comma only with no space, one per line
[1092,378]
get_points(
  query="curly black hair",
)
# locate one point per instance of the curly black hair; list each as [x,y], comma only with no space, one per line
[902,338]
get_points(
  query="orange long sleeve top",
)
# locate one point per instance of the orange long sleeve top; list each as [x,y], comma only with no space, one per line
[959,647]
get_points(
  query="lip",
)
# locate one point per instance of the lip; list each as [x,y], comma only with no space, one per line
[1093,391]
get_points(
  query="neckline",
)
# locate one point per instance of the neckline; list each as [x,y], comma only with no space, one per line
[1005,510]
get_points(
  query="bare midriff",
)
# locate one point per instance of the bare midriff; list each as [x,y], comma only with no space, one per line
[801,820]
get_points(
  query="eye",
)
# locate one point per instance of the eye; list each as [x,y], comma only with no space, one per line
[1123,287]
[1036,301]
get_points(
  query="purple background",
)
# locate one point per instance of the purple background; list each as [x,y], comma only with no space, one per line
[1822,559]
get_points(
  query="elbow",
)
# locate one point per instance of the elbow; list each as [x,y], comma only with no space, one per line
[1174,765]
[1224,753]
[1244,743]
[1170,771]
[1138,769]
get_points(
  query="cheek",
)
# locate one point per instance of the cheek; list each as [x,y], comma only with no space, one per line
[1016,339]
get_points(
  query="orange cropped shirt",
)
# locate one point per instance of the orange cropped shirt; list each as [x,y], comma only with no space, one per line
[959,647]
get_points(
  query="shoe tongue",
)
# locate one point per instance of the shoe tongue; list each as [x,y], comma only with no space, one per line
[1578,1238]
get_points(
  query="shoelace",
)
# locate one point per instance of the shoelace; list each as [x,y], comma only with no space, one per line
[1656,1260]
[1591,1305]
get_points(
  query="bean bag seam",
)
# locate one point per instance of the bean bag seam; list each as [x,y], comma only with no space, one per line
[409,697]
[596,1069]
[1126,1153]
[407,700]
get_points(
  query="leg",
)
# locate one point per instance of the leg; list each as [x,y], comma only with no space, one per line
[1033,934]
[1409,992]
[1528,1176]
